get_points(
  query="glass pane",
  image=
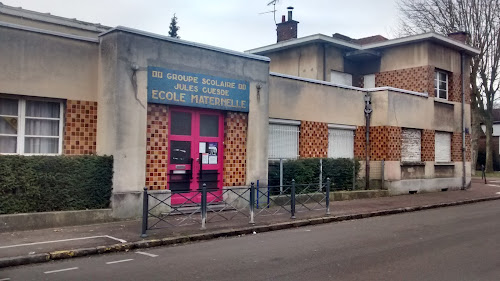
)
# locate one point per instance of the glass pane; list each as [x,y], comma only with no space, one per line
[180,123]
[42,109]
[41,145]
[8,125]
[442,94]
[36,127]
[180,152]
[209,125]
[442,86]
[8,106]
[8,144]
[442,76]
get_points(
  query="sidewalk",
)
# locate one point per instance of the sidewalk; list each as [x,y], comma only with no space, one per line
[50,244]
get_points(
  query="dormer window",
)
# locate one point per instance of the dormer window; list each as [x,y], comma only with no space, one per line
[441,85]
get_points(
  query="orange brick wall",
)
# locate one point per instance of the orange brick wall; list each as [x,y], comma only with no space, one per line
[428,145]
[456,147]
[80,129]
[385,143]
[360,142]
[235,139]
[418,79]
[156,146]
[313,139]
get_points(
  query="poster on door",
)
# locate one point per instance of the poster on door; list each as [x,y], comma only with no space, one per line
[212,152]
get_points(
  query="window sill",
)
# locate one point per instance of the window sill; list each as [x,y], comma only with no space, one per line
[414,163]
[444,164]
[443,101]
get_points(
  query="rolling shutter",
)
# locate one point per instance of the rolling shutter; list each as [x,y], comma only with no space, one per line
[443,147]
[411,145]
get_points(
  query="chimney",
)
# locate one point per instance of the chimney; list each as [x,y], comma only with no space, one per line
[287,30]
[461,36]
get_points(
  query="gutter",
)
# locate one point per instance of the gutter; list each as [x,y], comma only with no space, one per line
[462,70]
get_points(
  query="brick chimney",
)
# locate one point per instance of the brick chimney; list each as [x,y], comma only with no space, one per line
[461,36]
[287,30]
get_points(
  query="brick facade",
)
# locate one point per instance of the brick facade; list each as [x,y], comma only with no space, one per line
[156,146]
[428,145]
[235,139]
[313,139]
[385,143]
[360,142]
[456,147]
[418,79]
[80,129]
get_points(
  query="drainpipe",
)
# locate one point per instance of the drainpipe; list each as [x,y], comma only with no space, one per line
[368,111]
[462,70]
[324,62]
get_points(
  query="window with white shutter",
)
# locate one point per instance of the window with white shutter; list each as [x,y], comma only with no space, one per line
[284,140]
[340,143]
[443,147]
[411,145]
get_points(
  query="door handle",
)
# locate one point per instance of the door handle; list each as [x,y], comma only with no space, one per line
[200,160]
[191,173]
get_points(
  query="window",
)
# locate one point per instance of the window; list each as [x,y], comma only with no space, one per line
[30,126]
[340,78]
[443,147]
[340,143]
[283,139]
[411,145]
[441,85]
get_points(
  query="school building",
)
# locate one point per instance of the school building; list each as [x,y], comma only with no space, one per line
[175,113]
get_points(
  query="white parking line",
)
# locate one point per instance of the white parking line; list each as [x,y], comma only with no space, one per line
[5,279]
[147,254]
[63,240]
[112,262]
[60,270]
[494,185]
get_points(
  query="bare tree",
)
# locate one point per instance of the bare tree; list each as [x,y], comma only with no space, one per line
[481,18]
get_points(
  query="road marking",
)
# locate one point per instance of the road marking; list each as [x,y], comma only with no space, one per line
[494,185]
[495,193]
[146,254]
[5,279]
[63,240]
[60,270]
[112,262]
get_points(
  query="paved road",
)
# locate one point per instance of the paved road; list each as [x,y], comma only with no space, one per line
[456,243]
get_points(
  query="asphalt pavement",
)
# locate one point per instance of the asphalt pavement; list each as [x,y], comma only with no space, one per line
[455,243]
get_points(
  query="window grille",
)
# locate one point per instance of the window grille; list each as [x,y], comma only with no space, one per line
[283,141]
[340,143]
[443,147]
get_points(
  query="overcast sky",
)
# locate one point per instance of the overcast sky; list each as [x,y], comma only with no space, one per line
[232,24]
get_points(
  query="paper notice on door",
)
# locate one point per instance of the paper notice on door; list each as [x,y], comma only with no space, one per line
[204,158]
[212,159]
[203,147]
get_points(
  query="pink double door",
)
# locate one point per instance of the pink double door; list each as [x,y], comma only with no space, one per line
[195,144]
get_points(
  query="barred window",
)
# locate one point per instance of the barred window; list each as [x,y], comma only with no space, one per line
[411,144]
[340,143]
[283,140]
[30,126]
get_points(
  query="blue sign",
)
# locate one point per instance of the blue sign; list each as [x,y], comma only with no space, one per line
[197,90]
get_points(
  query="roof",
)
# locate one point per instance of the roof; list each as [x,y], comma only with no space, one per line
[373,43]
[48,18]
[184,42]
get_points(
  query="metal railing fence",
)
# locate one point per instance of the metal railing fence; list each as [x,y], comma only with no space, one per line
[208,206]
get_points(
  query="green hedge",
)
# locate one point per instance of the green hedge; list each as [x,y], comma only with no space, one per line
[54,183]
[306,171]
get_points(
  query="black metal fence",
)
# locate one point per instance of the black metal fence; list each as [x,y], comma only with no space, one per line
[208,205]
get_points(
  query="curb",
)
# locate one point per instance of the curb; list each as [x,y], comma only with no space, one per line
[66,254]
